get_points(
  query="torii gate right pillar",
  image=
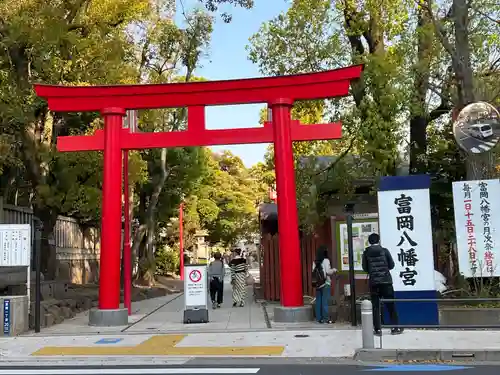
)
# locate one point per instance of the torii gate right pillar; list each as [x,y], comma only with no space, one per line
[291,308]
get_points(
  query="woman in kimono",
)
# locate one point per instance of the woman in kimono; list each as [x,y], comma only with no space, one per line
[239,271]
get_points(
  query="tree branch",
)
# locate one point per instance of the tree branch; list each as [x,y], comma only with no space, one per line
[339,158]
[440,32]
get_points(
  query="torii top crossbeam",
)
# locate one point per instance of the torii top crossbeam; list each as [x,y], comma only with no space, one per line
[309,86]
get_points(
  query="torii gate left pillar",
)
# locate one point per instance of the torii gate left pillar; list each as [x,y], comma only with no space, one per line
[279,92]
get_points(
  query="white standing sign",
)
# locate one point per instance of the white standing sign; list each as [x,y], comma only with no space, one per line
[15,245]
[406,231]
[477,226]
[195,286]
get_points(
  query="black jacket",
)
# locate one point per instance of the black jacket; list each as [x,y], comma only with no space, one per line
[377,262]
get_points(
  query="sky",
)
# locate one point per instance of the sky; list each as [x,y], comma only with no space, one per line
[228,59]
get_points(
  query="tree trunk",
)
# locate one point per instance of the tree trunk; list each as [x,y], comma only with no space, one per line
[418,110]
[462,60]
[147,264]
[477,166]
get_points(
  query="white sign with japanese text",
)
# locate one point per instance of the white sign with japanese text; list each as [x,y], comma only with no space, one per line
[406,231]
[477,226]
[195,286]
[15,245]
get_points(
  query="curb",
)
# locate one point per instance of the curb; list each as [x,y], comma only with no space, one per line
[402,355]
[65,361]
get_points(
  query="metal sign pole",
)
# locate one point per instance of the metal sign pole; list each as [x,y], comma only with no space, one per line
[352,279]
[38,272]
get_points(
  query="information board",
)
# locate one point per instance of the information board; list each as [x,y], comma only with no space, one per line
[360,232]
[195,286]
[15,245]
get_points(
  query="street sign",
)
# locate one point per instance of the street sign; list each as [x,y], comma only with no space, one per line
[6,317]
[195,286]
[15,245]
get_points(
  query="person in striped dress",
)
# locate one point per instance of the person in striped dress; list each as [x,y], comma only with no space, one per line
[239,272]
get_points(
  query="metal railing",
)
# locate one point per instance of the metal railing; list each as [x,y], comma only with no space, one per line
[367,317]
[438,326]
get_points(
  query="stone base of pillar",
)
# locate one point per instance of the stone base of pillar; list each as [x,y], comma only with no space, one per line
[108,318]
[293,314]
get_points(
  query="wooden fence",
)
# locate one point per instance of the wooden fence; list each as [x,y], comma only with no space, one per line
[270,265]
[77,248]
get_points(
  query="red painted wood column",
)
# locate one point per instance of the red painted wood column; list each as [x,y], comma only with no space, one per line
[109,275]
[288,222]
[127,251]
[181,240]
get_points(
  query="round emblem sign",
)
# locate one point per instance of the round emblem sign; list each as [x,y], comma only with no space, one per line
[195,276]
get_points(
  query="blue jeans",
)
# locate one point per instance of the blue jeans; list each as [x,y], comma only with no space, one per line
[322,302]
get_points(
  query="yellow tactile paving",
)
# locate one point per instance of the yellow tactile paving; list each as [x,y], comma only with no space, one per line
[160,345]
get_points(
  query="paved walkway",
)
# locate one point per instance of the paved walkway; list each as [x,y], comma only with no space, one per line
[169,317]
[80,323]
[317,343]
[165,314]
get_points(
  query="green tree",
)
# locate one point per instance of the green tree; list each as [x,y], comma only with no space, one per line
[57,42]
[227,198]
[164,51]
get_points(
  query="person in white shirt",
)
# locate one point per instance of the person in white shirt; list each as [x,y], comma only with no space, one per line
[324,284]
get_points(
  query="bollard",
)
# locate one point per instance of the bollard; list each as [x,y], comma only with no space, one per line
[367,324]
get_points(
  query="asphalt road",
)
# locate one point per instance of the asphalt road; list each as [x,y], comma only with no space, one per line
[475,145]
[262,369]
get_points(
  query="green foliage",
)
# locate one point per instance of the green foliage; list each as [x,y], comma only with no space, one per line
[81,43]
[227,199]
[167,260]
[214,5]
[57,42]
[405,83]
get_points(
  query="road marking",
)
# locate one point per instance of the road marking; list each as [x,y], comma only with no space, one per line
[108,341]
[417,368]
[475,150]
[131,371]
[484,147]
[161,345]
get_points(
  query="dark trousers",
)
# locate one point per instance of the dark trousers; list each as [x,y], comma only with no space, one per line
[383,291]
[216,290]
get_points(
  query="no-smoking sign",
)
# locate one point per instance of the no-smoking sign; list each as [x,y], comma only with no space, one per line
[195,276]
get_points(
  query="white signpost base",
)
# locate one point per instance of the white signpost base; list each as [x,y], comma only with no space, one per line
[195,294]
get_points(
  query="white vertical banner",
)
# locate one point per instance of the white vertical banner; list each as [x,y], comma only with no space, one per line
[406,231]
[477,226]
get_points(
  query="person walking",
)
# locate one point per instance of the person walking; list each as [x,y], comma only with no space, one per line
[239,271]
[377,262]
[322,282]
[216,273]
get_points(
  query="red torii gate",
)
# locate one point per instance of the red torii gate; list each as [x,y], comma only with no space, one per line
[278,92]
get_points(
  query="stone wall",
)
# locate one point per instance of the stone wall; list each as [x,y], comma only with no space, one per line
[18,322]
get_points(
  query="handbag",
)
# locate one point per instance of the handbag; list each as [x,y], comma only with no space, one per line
[249,279]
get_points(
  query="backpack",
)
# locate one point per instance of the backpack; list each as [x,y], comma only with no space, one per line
[318,277]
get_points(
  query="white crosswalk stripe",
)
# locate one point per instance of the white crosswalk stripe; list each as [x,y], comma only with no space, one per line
[475,150]
[484,147]
[130,371]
